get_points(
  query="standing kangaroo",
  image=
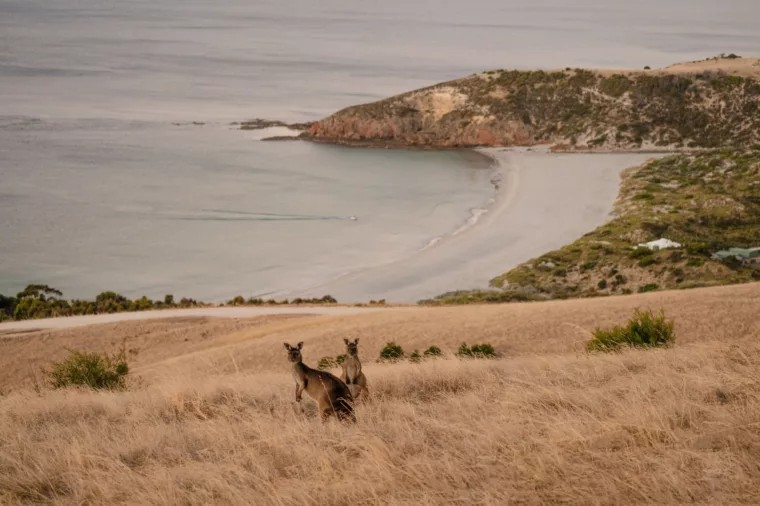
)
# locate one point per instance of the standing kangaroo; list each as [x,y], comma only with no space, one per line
[332,395]
[352,370]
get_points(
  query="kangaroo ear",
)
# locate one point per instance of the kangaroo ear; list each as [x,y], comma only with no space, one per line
[345,340]
[356,341]
[300,345]
[287,346]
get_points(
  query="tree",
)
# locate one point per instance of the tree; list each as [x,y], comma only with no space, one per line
[39,292]
[7,306]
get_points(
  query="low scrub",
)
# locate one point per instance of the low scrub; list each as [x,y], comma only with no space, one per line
[98,371]
[476,351]
[433,351]
[480,297]
[392,351]
[329,362]
[644,329]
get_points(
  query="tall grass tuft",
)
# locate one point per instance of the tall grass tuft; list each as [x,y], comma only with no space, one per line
[643,330]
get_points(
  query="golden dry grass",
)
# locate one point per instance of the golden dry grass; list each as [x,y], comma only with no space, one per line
[545,424]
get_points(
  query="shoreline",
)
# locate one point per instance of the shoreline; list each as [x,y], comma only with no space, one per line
[499,197]
[546,200]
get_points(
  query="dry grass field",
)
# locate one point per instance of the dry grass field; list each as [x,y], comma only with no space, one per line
[210,417]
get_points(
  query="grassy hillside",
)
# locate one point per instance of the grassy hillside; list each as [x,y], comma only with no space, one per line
[706,202]
[692,106]
[212,419]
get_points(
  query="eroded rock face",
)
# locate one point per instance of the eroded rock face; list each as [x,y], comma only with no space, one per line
[572,109]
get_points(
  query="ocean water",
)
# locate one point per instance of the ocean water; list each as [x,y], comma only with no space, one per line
[105,182]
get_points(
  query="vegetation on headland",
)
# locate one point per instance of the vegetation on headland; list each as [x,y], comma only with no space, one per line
[43,301]
[706,202]
[574,109]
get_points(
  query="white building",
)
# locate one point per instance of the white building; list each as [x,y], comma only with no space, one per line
[660,244]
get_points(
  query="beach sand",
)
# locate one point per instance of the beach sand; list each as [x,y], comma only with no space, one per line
[544,201]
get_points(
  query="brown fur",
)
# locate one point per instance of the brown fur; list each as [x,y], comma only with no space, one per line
[332,395]
[352,370]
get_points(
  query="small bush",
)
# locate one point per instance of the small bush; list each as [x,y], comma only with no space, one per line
[433,351]
[644,329]
[476,351]
[602,284]
[392,351]
[695,262]
[415,356]
[93,370]
[651,287]
[640,253]
[647,261]
[326,363]
[699,249]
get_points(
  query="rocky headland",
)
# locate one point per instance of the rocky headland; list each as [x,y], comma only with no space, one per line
[706,104]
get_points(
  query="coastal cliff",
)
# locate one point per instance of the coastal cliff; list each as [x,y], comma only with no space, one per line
[714,103]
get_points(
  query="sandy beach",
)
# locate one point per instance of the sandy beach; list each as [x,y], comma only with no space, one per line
[544,201]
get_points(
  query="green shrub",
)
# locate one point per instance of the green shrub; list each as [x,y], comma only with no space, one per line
[602,284]
[699,249]
[329,362]
[695,262]
[325,363]
[93,370]
[433,351]
[415,356]
[639,253]
[647,261]
[651,287]
[644,329]
[476,351]
[392,351]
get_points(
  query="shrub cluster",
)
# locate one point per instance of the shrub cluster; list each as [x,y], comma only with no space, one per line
[644,329]
[476,351]
[239,300]
[43,301]
[480,297]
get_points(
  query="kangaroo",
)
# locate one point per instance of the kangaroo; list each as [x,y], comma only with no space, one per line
[332,395]
[352,370]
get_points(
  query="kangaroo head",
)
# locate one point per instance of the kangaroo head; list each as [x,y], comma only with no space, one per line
[352,348]
[294,352]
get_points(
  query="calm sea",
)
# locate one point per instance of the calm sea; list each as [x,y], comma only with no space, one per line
[106,183]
